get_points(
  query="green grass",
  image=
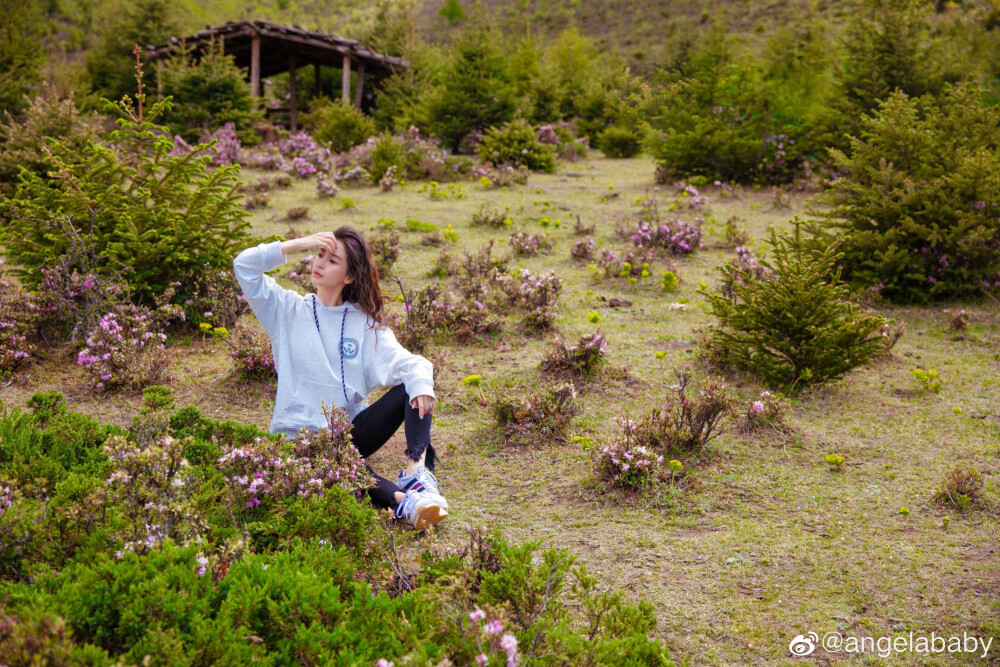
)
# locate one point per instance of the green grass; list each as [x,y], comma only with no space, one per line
[764,542]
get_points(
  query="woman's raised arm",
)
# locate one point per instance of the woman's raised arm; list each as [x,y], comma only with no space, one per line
[265,297]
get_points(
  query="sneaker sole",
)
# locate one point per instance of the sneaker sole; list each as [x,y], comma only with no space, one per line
[429,515]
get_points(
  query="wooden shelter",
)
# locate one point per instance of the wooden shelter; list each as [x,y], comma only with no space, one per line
[265,49]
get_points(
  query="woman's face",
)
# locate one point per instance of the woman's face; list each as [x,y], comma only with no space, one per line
[330,269]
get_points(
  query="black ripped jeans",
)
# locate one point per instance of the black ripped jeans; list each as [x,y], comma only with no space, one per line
[372,428]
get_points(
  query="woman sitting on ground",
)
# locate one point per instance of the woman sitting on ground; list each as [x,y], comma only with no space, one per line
[334,347]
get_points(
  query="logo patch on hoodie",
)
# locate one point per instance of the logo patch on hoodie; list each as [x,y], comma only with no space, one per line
[350,348]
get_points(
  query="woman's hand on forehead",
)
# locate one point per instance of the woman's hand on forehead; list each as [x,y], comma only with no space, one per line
[325,241]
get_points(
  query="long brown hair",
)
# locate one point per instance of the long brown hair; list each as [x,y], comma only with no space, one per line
[364,290]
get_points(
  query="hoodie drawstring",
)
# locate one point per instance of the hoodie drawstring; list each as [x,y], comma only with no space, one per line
[343,321]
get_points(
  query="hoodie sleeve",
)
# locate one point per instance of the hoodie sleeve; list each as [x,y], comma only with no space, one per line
[393,364]
[265,297]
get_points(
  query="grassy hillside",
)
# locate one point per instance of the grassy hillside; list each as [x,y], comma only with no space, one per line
[762,541]
[639,29]
[636,29]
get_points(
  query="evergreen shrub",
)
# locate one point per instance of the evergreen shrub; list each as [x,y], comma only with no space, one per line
[475,91]
[792,326]
[207,93]
[129,208]
[619,142]
[337,125]
[725,116]
[516,143]
[918,213]
[137,553]
[24,140]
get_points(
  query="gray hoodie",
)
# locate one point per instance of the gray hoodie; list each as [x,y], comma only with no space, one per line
[309,362]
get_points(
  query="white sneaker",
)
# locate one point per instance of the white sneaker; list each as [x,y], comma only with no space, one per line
[422,475]
[422,508]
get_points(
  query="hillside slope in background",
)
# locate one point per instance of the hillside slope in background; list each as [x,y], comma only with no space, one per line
[638,30]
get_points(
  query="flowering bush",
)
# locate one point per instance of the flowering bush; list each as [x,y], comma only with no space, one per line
[687,196]
[265,472]
[268,183]
[280,564]
[482,265]
[962,488]
[304,155]
[223,146]
[125,350]
[583,249]
[489,216]
[227,145]
[324,188]
[352,177]
[72,303]
[523,243]
[251,354]
[634,265]
[677,237]
[490,640]
[502,175]
[151,484]
[486,279]
[385,248]
[432,314]
[765,412]
[300,272]
[674,236]
[217,299]
[266,157]
[388,179]
[536,295]
[523,415]
[19,316]
[583,359]
[629,466]
[684,424]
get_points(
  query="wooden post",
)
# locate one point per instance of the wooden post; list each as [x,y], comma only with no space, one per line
[293,111]
[346,81]
[159,79]
[359,84]
[318,81]
[255,68]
